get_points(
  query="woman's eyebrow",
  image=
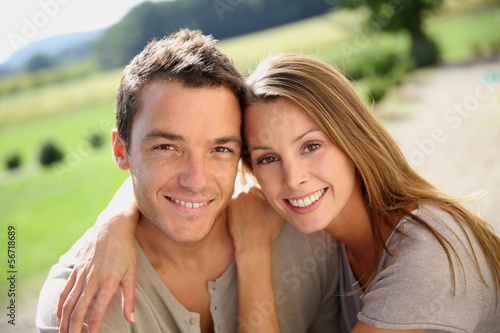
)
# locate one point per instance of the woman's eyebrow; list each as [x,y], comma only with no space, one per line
[298,138]
[305,133]
[260,148]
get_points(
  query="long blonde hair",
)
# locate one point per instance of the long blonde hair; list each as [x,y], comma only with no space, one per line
[389,184]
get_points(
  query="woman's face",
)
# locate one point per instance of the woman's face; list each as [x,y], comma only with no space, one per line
[306,178]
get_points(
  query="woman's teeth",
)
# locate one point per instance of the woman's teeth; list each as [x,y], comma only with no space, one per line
[307,201]
[188,204]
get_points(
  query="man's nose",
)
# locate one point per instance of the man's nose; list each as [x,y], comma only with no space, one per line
[194,176]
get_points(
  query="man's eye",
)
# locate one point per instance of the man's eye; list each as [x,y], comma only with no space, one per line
[267,160]
[221,150]
[165,147]
[311,147]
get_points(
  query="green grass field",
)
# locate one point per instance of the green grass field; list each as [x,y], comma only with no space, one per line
[50,208]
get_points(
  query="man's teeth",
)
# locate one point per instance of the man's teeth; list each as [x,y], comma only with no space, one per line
[307,201]
[188,204]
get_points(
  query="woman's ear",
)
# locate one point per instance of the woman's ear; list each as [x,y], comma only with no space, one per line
[119,151]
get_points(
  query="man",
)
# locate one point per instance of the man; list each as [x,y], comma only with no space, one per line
[179,121]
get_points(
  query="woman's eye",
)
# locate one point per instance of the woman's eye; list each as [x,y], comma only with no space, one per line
[311,147]
[165,147]
[267,160]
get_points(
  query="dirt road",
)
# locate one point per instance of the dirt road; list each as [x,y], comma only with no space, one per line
[451,130]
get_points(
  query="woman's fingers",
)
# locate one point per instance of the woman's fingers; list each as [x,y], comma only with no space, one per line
[72,299]
[105,294]
[128,296]
[63,295]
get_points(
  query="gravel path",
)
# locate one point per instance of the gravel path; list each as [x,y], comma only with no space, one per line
[451,130]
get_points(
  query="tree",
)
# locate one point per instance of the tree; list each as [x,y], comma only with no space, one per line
[220,18]
[396,15]
[38,62]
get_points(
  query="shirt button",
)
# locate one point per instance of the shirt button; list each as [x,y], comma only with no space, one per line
[193,321]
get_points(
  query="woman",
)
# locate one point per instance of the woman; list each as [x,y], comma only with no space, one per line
[412,258]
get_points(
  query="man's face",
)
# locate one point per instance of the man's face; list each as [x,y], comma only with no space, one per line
[183,156]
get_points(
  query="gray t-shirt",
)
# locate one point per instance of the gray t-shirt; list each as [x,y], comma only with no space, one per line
[414,289]
[305,279]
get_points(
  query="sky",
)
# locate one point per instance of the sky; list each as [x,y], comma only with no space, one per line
[26,21]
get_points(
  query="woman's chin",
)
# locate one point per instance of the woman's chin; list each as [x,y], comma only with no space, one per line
[307,226]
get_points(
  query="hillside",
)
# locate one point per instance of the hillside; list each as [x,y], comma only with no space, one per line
[61,49]
[116,45]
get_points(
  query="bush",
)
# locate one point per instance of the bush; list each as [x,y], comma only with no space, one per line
[50,154]
[96,139]
[13,162]
[377,88]
[372,64]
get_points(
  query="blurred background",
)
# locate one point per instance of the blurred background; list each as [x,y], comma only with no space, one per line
[429,68]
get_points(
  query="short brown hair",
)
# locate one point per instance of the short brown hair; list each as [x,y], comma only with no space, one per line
[187,56]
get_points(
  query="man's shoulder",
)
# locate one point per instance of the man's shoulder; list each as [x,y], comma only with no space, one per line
[315,253]
[54,284]
[152,309]
[319,244]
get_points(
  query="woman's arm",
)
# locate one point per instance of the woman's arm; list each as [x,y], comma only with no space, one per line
[254,225]
[107,261]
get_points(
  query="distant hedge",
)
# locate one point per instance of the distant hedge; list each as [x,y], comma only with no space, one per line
[50,154]
[13,162]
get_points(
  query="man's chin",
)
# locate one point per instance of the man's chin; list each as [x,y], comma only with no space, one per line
[189,236]
[190,230]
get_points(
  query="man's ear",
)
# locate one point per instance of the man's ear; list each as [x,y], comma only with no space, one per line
[119,151]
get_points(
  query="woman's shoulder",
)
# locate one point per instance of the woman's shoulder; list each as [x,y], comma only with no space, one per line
[436,240]
[415,280]
[436,221]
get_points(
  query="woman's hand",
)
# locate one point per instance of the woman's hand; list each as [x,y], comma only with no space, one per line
[108,260]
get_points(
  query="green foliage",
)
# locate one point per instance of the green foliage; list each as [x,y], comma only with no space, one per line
[38,62]
[50,154]
[46,76]
[395,15]
[96,139]
[377,63]
[460,36]
[13,161]
[403,15]
[424,51]
[377,88]
[150,20]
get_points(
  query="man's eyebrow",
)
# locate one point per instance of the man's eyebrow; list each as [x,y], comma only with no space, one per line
[155,134]
[228,139]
